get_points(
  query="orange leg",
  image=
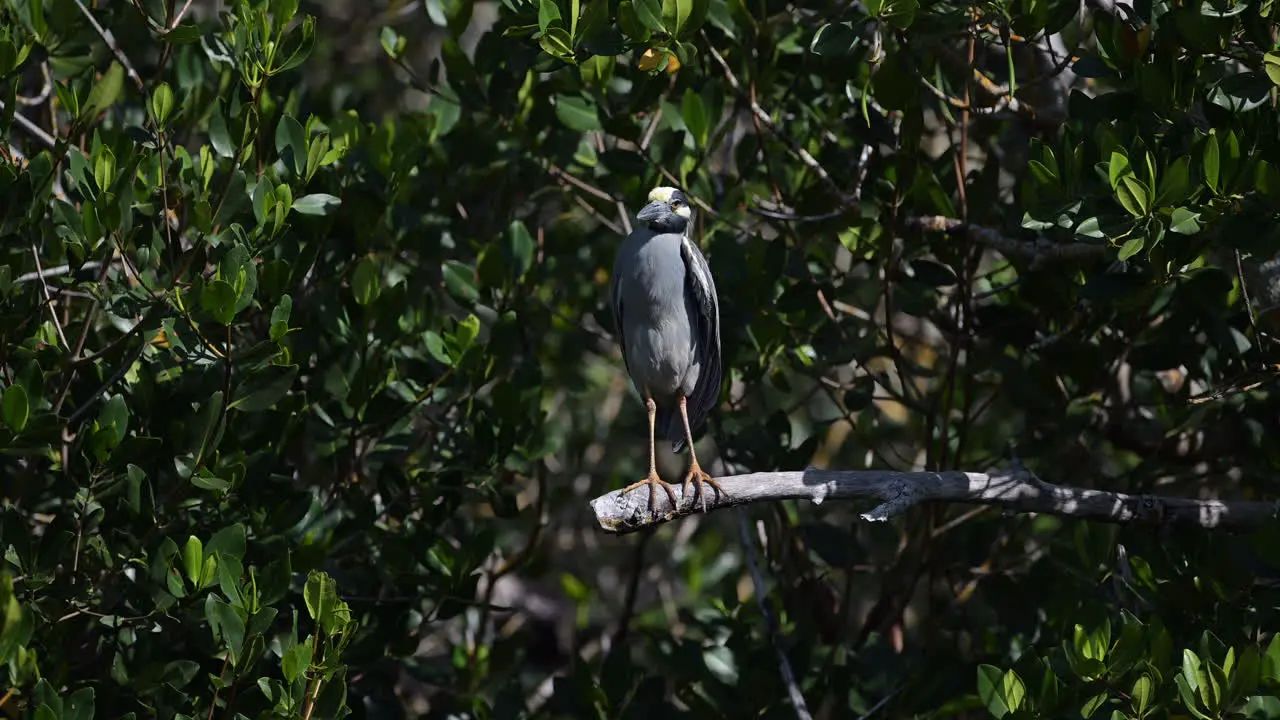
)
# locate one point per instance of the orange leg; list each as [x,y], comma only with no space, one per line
[696,474]
[653,481]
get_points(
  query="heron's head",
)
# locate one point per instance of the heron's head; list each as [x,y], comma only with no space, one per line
[668,210]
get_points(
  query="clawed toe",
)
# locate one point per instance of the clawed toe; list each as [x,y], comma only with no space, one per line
[653,481]
[699,477]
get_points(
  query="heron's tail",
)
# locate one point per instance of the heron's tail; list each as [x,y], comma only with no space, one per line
[667,426]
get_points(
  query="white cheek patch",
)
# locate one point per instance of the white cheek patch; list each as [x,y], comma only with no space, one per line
[684,212]
[661,194]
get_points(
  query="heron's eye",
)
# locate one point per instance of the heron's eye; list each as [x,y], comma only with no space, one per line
[675,204]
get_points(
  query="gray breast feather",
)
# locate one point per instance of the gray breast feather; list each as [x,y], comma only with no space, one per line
[667,320]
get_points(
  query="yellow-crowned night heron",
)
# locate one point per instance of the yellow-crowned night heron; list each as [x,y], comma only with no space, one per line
[667,319]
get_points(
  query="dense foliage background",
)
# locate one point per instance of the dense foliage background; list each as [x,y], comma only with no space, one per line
[308,373]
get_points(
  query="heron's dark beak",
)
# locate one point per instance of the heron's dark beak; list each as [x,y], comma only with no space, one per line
[652,211]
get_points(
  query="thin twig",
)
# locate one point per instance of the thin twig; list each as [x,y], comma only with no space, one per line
[633,589]
[44,287]
[45,90]
[34,130]
[89,320]
[178,17]
[113,46]
[115,377]
[1244,295]
[53,271]
[771,623]
[580,184]
[599,216]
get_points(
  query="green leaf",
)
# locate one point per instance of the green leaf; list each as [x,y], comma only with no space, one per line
[226,623]
[230,542]
[280,318]
[1118,168]
[296,661]
[1012,690]
[19,624]
[302,48]
[1186,693]
[649,13]
[113,419]
[835,40]
[79,705]
[161,104]
[1266,180]
[1175,186]
[459,278]
[320,595]
[990,679]
[1209,687]
[193,559]
[896,85]
[435,346]
[548,15]
[1271,63]
[467,332]
[898,13]
[366,283]
[393,43]
[219,136]
[629,21]
[558,44]
[264,388]
[520,247]
[1211,162]
[316,204]
[1271,659]
[264,200]
[9,57]
[209,572]
[1134,196]
[698,14]
[1184,221]
[105,92]
[104,168]
[282,11]
[206,481]
[695,117]
[219,300]
[183,34]
[1092,704]
[1132,247]
[1140,696]
[577,113]
[291,143]
[1261,707]
[15,407]
[675,16]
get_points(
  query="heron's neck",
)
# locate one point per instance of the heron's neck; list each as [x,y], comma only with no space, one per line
[681,228]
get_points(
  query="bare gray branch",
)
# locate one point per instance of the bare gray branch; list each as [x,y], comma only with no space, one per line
[1016,490]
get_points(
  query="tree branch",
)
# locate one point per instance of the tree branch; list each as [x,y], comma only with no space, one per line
[1017,490]
[1038,251]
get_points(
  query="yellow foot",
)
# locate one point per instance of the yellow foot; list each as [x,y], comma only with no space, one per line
[697,476]
[653,481]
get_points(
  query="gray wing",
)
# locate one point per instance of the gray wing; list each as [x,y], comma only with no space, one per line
[702,288]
